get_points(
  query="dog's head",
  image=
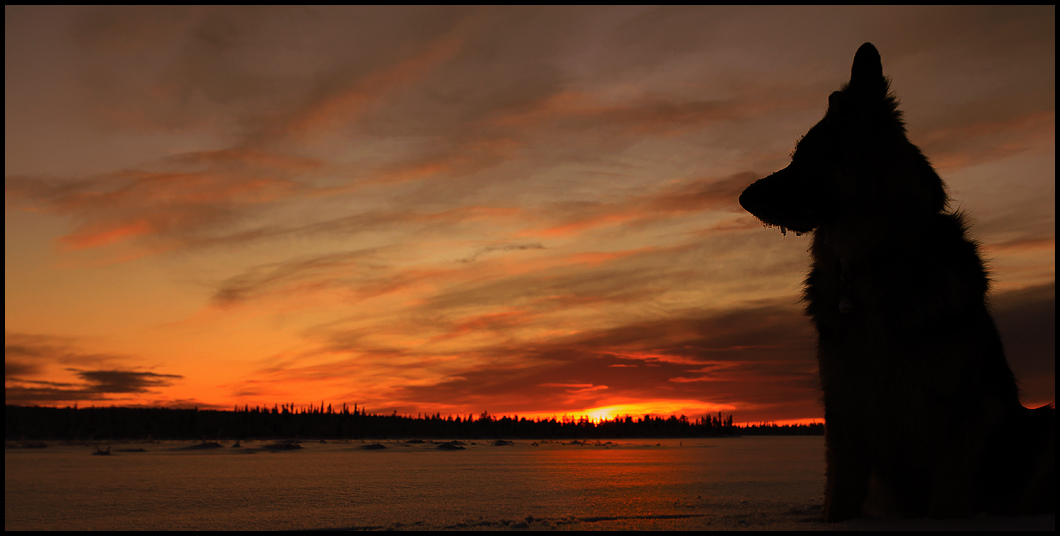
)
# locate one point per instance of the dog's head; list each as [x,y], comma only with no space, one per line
[855,160]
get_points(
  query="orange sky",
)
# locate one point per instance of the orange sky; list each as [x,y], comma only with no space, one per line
[516,210]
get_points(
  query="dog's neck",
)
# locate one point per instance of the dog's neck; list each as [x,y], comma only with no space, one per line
[856,237]
[846,249]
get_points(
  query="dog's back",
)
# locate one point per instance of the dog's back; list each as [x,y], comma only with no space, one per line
[919,398]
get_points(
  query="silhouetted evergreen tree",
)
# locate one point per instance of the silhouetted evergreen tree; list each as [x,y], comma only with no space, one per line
[73,423]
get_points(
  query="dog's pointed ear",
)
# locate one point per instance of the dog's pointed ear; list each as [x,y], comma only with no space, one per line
[866,75]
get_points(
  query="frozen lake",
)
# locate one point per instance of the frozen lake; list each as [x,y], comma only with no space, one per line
[725,483]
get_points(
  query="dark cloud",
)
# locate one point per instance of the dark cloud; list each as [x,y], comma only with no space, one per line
[15,368]
[29,356]
[119,381]
[96,385]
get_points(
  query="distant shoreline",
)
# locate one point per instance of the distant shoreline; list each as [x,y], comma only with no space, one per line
[35,423]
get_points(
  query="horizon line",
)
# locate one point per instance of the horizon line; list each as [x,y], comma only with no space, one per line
[300,410]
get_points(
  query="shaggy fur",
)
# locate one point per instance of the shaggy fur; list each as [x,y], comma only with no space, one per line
[921,409]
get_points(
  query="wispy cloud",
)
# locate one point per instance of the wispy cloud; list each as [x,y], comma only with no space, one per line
[339,108]
[756,357]
[475,207]
[29,352]
[676,199]
[963,145]
[501,247]
[167,208]
[290,276]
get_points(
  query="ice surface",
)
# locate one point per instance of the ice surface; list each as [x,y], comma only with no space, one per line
[693,484]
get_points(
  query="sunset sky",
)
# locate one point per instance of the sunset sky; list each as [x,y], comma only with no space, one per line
[525,211]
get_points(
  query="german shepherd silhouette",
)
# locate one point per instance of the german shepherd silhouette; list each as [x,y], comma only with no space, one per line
[922,412]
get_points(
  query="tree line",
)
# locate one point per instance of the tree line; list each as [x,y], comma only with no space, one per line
[288,421]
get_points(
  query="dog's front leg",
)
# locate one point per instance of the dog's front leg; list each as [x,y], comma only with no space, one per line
[847,471]
[953,477]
